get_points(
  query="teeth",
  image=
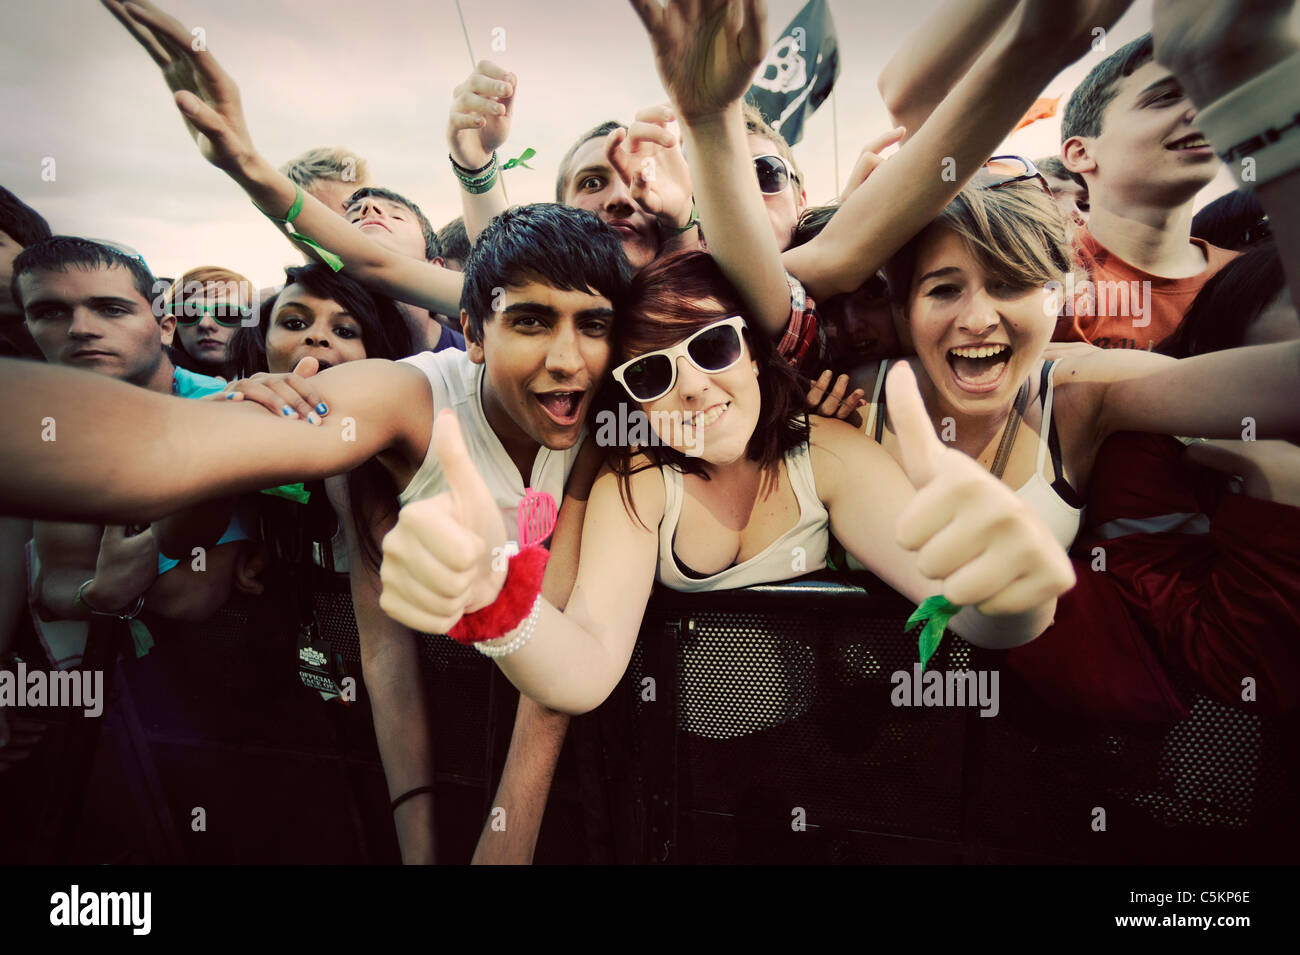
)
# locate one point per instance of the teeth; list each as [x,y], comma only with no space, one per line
[706,418]
[978,351]
[1191,143]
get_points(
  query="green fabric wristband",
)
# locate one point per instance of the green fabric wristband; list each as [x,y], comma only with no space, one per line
[335,262]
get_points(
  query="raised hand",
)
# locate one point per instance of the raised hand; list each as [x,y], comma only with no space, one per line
[969,529]
[648,158]
[445,556]
[706,51]
[869,160]
[205,94]
[289,396]
[835,402]
[1213,46]
[126,567]
[481,110]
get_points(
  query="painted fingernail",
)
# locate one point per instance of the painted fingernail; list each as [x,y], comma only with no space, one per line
[229,395]
[288,412]
[312,419]
[322,409]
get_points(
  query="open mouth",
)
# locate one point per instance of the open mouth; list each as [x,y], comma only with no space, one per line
[703,420]
[1193,142]
[979,368]
[562,406]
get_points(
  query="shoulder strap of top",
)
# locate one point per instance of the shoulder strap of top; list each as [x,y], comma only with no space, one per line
[878,401]
[1049,442]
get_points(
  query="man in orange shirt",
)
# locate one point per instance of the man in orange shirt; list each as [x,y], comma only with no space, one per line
[1129,131]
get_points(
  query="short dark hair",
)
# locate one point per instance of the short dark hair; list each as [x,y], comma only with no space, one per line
[549,243]
[1233,221]
[454,240]
[1054,167]
[601,131]
[384,330]
[1091,97]
[20,221]
[1228,304]
[59,253]
[432,249]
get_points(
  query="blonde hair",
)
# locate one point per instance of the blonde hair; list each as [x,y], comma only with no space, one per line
[1017,233]
[756,125]
[196,282]
[326,162]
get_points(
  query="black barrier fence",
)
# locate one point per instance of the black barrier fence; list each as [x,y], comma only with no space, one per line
[756,725]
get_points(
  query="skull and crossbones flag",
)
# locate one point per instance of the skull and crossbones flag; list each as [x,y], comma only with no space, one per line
[798,72]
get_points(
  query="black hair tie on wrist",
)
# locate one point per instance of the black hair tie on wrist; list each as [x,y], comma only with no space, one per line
[411,794]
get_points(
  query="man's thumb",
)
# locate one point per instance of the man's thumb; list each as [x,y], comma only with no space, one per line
[916,438]
[306,367]
[467,487]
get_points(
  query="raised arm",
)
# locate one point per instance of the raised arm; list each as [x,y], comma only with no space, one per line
[706,58]
[477,126]
[210,103]
[934,57]
[1242,391]
[906,193]
[80,446]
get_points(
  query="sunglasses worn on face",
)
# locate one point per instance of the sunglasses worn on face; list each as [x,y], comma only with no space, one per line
[773,174]
[713,348]
[1014,169]
[191,313]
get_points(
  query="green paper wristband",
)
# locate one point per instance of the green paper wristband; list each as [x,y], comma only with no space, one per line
[292,492]
[934,612]
[694,221]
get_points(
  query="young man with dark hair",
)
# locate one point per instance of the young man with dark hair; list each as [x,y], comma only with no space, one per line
[454,242]
[1129,131]
[397,224]
[90,305]
[20,226]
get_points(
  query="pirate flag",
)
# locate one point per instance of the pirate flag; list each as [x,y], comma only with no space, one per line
[799,71]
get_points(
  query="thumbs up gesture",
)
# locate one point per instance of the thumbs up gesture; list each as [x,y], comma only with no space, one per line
[967,528]
[445,556]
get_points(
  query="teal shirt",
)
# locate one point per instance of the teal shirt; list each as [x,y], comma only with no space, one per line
[187,384]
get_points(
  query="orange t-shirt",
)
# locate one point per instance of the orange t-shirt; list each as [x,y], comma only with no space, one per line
[1123,307]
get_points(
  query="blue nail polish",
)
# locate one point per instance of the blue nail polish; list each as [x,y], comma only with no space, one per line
[288,412]
[229,395]
[322,409]
[312,419]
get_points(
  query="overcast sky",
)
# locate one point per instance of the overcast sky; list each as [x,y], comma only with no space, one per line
[375,77]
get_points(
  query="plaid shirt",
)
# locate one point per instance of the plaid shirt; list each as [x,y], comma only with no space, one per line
[803,343]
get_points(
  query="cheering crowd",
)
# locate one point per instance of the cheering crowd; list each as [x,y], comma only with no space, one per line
[1042,390]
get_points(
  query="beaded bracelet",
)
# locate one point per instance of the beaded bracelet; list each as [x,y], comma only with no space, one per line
[523,634]
[476,181]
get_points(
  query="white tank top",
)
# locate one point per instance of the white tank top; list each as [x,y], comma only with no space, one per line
[457,383]
[1044,496]
[778,561]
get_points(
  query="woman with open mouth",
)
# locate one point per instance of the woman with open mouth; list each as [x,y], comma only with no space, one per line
[740,489]
[977,295]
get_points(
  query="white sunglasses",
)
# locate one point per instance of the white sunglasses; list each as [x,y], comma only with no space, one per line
[715,347]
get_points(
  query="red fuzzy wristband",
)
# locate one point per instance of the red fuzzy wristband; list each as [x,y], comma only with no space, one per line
[513,604]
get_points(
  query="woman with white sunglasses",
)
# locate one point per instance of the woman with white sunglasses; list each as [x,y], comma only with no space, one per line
[737,487]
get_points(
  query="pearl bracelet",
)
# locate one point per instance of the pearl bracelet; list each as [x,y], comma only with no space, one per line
[523,633]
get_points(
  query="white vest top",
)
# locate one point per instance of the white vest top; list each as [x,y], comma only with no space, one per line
[775,562]
[457,383]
